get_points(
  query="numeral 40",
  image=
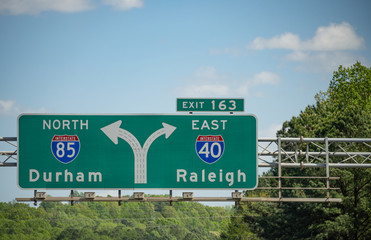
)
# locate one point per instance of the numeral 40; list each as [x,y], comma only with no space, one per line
[215,150]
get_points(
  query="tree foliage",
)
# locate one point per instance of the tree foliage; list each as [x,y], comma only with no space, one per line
[96,220]
[343,111]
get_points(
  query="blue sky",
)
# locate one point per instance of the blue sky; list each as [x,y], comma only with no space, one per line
[138,56]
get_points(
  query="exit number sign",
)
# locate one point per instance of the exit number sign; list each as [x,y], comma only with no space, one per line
[210,105]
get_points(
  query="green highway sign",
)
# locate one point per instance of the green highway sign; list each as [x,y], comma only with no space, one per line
[137,151]
[210,105]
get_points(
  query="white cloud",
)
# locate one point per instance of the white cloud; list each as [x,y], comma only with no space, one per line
[208,73]
[284,41]
[265,78]
[330,47]
[208,82]
[7,107]
[124,4]
[323,61]
[11,108]
[262,78]
[297,56]
[17,7]
[204,90]
[34,7]
[270,131]
[336,37]
[226,51]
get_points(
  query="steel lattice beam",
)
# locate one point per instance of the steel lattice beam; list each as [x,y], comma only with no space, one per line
[308,153]
[272,152]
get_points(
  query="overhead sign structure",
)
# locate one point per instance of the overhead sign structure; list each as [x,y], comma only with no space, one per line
[210,105]
[137,151]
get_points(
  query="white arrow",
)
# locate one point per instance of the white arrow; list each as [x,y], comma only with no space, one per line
[142,171]
[167,130]
[113,132]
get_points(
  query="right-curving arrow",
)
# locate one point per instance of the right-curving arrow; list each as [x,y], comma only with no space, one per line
[113,132]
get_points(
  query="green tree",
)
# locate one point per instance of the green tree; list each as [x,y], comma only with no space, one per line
[343,111]
[107,220]
[240,227]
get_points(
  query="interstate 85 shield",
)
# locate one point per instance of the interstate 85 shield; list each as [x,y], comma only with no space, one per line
[65,148]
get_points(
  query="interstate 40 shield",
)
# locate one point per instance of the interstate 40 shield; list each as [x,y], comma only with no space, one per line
[66,151]
[210,148]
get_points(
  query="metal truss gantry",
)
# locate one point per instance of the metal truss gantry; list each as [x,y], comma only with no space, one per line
[315,152]
[277,152]
[310,153]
